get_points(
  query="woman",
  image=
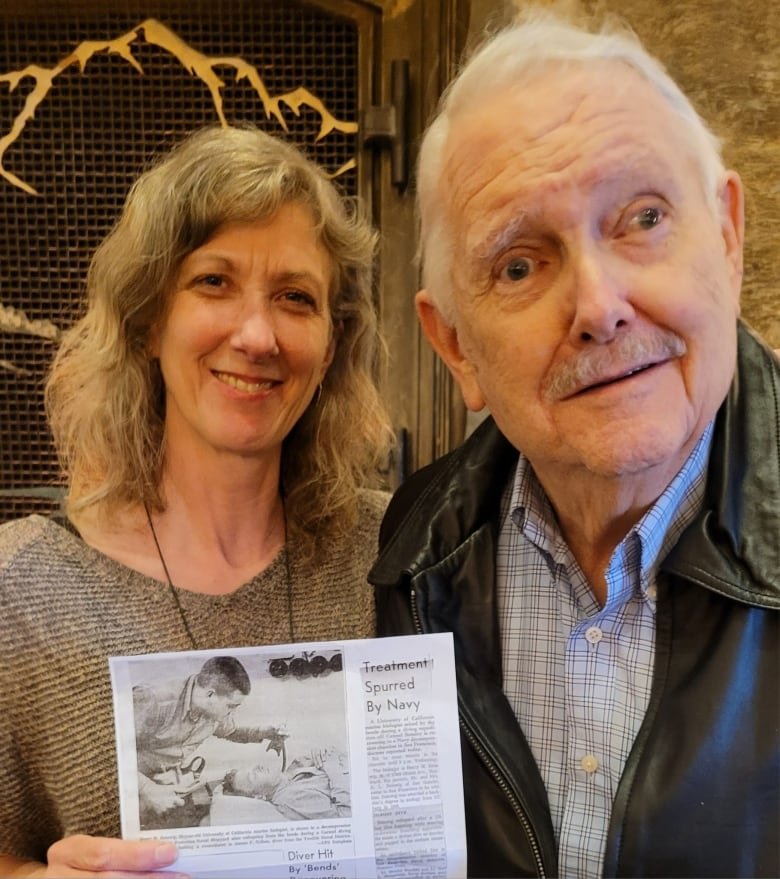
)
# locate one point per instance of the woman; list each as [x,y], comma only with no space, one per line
[217,421]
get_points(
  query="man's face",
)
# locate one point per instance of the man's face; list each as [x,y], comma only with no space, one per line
[596,289]
[260,781]
[217,706]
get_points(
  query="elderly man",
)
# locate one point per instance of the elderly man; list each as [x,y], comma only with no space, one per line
[605,548]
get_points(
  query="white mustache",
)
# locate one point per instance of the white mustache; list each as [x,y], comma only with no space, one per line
[611,361]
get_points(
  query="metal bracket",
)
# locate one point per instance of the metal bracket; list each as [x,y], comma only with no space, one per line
[388,126]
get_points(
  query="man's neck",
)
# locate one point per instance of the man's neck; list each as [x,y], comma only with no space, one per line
[595,513]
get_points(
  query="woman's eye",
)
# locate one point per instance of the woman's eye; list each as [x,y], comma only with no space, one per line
[210,280]
[300,298]
[517,269]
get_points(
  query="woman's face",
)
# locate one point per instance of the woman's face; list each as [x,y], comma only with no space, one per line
[247,336]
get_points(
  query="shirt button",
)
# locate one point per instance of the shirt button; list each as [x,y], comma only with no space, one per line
[593,635]
[652,592]
[589,763]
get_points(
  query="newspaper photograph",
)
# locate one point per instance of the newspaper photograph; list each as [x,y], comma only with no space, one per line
[327,760]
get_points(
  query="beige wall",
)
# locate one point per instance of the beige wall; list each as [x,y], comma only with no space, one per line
[725,56]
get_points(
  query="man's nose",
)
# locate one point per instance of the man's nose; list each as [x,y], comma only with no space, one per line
[600,296]
[255,332]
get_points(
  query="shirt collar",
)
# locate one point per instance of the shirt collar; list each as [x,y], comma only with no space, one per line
[652,537]
[187,707]
[661,526]
[532,513]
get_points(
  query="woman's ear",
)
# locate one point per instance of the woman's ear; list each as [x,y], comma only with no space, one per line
[335,336]
[153,342]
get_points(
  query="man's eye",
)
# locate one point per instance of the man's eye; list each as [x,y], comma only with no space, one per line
[647,218]
[517,269]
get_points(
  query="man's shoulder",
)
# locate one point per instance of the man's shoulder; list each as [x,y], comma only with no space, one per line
[158,693]
[471,476]
[731,547]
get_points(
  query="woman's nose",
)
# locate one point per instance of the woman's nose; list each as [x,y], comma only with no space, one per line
[255,334]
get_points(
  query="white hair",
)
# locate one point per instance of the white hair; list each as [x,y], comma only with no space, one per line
[516,53]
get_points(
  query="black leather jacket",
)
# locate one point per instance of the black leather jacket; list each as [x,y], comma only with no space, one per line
[699,794]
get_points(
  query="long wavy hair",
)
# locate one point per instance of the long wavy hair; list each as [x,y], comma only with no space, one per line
[105,398]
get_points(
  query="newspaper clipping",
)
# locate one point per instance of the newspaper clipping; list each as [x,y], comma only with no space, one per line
[337,760]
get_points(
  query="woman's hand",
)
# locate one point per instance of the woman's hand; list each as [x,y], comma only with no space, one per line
[93,856]
[88,855]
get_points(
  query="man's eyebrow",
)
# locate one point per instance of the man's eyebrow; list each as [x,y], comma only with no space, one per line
[491,241]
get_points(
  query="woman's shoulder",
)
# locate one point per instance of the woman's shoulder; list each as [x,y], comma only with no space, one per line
[18,535]
[36,542]
[372,504]
[360,539]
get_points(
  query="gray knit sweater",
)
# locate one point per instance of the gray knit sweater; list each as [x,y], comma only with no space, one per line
[65,608]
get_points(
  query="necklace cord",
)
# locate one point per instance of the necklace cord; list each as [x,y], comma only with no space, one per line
[287,566]
[171,587]
[175,594]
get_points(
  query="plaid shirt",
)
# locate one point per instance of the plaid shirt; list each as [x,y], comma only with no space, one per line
[576,674]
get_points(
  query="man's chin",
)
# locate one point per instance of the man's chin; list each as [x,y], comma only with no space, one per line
[639,454]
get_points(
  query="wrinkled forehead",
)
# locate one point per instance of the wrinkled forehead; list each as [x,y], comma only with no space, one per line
[548,92]
[566,129]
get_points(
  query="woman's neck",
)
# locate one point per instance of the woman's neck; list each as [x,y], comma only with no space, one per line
[220,526]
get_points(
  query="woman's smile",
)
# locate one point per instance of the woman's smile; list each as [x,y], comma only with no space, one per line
[249,386]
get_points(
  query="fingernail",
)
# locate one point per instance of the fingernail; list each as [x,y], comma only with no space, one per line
[165,853]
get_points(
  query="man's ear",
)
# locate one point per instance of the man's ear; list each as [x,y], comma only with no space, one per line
[731,202]
[445,342]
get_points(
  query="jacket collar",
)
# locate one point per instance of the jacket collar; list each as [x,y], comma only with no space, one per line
[438,507]
[728,548]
